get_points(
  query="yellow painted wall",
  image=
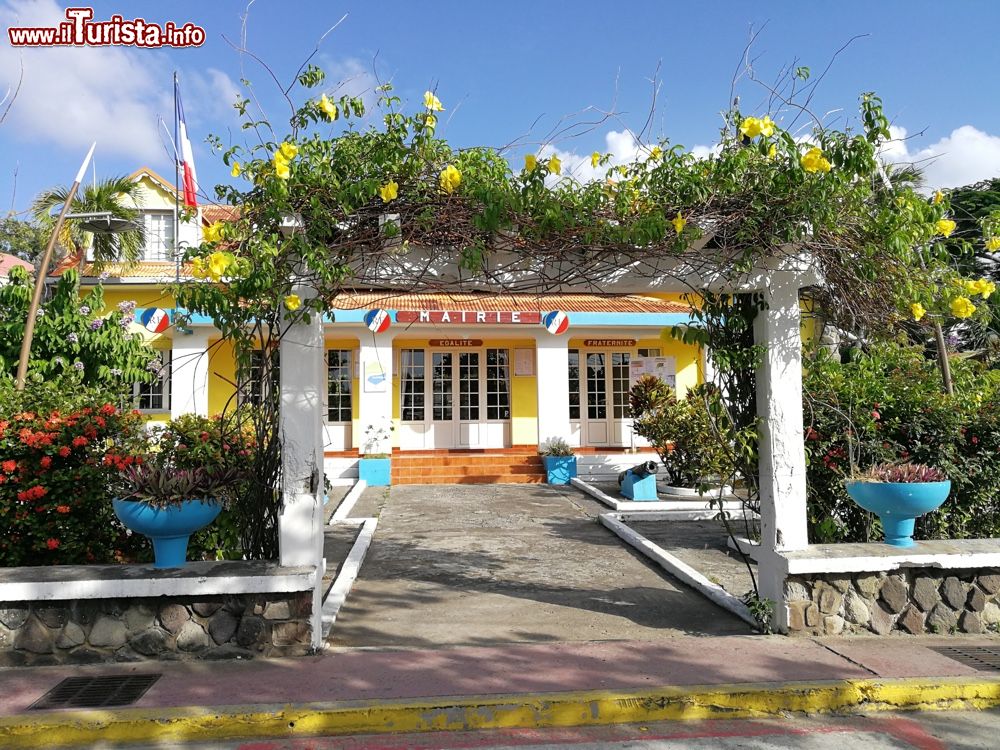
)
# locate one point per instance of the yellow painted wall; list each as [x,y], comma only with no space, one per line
[153,197]
[221,376]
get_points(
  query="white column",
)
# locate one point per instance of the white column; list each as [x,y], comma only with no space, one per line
[189,373]
[301,525]
[782,450]
[552,373]
[375,399]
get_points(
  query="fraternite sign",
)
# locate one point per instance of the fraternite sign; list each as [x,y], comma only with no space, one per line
[470,317]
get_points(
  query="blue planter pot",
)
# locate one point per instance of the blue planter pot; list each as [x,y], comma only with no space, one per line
[559,469]
[377,472]
[168,528]
[898,504]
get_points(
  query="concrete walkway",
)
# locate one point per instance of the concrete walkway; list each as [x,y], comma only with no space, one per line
[492,564]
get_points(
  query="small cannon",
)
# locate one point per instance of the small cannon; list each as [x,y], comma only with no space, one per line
[639,482]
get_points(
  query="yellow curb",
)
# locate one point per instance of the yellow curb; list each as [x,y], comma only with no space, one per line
[138,725]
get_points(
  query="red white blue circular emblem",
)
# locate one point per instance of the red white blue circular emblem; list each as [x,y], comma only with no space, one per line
[155,320]
[378,321]
[556,322]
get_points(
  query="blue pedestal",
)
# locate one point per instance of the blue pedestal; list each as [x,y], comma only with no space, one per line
[375,471]
[559,469]
[640,489]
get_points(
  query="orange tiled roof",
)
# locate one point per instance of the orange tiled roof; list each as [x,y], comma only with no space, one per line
[148,271]
[211,213]
[485,302]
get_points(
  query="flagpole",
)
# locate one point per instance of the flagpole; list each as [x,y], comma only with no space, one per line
[177,188]
[42,274]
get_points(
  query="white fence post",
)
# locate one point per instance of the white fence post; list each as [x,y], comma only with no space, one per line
[782,450]
[301,524]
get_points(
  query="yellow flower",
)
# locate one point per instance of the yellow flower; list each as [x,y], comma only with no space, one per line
[198,269]
[944,227]
[554,165]
[450,179]
[993,243]
[750,127]
[962,307]
[655,153]
[917,310]
[772,151]
[293,302]
[679,223]
[213,232]
[530,162]
[218,262]
[985,287]
[432,103]
[288,150]
[938,197]
[430,121]
[329,108]
[235,171]
[767,126]
[595,159]
[389,191]
[814,161]
[281,167]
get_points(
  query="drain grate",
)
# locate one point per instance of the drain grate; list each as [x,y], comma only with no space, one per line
[981,658]
[96,692]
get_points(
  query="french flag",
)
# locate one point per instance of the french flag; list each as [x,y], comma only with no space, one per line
[185,159]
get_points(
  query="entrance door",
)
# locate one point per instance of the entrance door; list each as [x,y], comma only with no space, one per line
[606,385]
[468,393]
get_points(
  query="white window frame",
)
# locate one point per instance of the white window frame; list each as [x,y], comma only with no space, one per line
[163,385]
[159,246]
[348,369]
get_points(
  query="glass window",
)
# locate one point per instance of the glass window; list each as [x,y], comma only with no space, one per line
[497,384]
[338,385]
[574,383]
[468,386]
[597,387]
[155,396]
[649,352]
[411,384]
[259,383]
[441,384]
[159,228]
[619,384]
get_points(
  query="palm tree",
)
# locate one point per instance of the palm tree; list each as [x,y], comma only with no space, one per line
[115,195]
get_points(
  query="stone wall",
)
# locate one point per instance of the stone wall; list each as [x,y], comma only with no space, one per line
[910,600]
[107,630]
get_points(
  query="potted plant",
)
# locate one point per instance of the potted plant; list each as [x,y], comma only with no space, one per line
[683,436]
[898,494]
[559,461]
[157,499]
[375,466]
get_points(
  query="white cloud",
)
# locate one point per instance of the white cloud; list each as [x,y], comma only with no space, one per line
[72,96]
[965,156]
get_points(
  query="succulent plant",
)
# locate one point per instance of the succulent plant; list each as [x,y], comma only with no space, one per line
[903,473]
[161,485]
[556,446]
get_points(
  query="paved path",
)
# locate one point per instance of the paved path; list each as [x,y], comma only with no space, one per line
[493,564]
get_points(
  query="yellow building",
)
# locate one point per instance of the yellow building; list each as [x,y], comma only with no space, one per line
[459,372]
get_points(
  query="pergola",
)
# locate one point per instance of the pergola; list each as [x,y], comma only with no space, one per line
[782,462]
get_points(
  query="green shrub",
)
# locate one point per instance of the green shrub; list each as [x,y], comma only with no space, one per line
[59,441]
[886,405]
[681,431]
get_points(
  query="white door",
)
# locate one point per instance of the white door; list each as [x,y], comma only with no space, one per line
[605,395]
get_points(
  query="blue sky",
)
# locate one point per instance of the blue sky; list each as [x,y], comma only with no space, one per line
[506,72]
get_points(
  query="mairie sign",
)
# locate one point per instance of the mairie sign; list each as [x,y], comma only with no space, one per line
[470,317]
[154,320]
